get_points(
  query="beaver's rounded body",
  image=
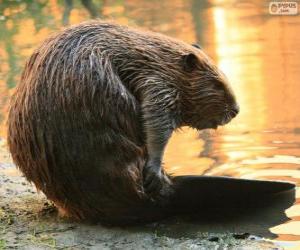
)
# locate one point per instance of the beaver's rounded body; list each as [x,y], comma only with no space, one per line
[94,109]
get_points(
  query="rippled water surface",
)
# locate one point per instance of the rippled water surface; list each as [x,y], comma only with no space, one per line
[259,53]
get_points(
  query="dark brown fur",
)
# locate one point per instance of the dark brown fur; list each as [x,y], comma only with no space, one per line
[77,120]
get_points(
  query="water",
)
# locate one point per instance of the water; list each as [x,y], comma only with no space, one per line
[258,52]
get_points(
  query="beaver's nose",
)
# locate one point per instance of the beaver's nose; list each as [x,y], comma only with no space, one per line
[235,110]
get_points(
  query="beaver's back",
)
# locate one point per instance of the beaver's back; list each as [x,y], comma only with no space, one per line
[75,130]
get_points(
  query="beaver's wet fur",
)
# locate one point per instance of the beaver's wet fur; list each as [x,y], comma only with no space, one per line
[96,102]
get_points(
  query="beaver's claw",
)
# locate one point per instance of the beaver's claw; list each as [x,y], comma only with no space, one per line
[154,180]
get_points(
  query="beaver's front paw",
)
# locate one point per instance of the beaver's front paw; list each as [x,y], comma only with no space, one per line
[154,180]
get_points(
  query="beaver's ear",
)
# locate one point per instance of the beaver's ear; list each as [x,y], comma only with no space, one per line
[196,46]
[189,62]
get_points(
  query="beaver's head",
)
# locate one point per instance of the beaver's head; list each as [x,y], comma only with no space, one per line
[208,100]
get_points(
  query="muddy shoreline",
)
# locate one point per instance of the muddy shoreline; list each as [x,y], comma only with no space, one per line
[29,221]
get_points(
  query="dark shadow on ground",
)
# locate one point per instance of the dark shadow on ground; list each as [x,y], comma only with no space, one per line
[220,205]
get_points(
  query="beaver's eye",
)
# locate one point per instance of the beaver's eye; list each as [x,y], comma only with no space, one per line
[219,86]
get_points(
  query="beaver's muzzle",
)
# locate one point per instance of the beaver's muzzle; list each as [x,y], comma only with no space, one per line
[230,114]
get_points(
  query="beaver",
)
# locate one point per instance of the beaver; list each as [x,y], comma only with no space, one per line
[93,112]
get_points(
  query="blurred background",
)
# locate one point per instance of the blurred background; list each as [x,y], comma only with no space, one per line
[258,52]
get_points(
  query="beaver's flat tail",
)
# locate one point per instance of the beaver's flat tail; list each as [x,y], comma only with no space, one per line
[198,193]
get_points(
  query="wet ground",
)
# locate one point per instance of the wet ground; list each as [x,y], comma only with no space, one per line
[260,55]
[29,221]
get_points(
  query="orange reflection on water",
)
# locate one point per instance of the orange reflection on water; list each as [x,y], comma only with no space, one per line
[182,154]
[260,55]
